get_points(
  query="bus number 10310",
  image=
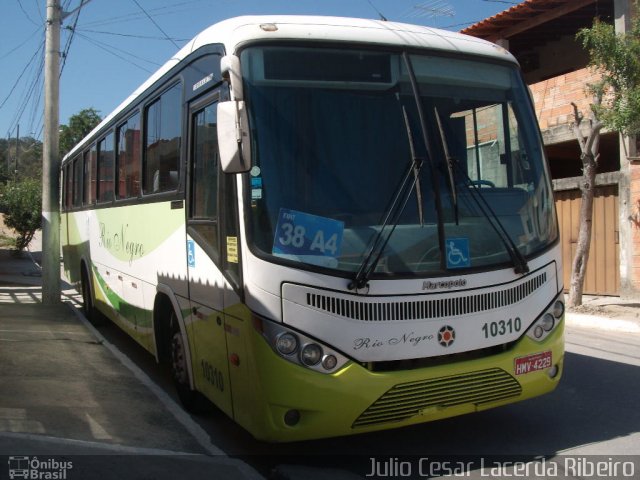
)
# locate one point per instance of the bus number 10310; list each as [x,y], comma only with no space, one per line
[502,327]
[212,375]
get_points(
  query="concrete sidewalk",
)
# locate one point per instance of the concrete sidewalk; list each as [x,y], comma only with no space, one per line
[66,393]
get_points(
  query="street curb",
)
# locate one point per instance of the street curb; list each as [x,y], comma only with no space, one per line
[602,323]
[179,414]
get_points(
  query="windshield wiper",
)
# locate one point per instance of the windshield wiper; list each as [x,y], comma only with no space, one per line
[519,262]
[450,160]
[391,216]
[435,184]
[416,169]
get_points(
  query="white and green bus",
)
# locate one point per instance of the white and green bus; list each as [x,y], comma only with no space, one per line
[325,226]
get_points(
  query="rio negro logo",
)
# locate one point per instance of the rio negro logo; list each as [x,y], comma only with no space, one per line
[118,242]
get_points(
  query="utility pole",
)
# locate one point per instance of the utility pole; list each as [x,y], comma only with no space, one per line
[50,159]
[15,173]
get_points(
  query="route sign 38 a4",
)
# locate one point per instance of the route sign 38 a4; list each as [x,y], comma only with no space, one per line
[299,233]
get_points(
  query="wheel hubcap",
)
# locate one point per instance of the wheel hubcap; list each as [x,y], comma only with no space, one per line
[178,365]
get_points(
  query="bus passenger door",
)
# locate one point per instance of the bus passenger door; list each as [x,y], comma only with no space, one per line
[205,324]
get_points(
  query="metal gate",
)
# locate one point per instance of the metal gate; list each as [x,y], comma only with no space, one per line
[603,269]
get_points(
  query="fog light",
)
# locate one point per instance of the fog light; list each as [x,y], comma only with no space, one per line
[329,362]
[311,354]
[287,343]
[292,417]
[553,371]
[558,309]
[538,331]
[547,322]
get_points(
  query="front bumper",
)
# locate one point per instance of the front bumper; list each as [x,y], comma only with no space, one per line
[356,400]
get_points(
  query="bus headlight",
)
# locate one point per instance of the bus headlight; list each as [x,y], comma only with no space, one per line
[558,308]
[298,348]
[547,322]
[287,343]
[311,354]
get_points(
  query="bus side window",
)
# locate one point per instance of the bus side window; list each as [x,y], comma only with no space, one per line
[128,165]
[163,122]
[77,182]
[204,177]
[89,178]
[105,168]
[69,185]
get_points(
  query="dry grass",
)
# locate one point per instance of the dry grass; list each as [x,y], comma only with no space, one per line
[7,235]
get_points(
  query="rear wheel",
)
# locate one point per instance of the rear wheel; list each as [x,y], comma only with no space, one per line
[179,368]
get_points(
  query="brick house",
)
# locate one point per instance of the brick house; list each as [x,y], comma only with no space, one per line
[541,35]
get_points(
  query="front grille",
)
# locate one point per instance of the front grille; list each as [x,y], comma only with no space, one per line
[420,309]
[409,399]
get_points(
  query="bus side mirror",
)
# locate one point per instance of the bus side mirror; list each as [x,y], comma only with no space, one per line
[230,70]
[233,137]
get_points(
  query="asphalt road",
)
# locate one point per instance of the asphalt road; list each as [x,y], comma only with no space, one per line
[594,411]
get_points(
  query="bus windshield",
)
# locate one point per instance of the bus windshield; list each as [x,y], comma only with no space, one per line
[335,133]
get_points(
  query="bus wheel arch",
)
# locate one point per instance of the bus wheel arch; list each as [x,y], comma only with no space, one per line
[180,366]
[172,347]
[88,298]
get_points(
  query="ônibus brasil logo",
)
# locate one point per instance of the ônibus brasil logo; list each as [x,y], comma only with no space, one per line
[446,336]
[32,468]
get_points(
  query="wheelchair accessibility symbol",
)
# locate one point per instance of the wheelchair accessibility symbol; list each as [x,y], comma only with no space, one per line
[457,252]
[191,253]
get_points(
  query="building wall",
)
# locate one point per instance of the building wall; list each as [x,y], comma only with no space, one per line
[553,97]
[553,58]
[633,221]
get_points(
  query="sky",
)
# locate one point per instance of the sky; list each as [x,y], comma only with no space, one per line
[118,44]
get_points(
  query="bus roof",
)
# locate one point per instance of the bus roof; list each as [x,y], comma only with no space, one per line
[238,31]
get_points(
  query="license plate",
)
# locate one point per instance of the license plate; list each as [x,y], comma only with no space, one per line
[531,363]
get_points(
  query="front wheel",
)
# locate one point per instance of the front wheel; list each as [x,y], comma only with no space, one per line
[179,367]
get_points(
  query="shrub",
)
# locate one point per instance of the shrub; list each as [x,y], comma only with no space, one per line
[22,203]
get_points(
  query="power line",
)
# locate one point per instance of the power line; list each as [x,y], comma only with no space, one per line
[113,47]
[463,24]
[502,1]
[156,24]
[23,43]
[26,14]
[29,90]
[107,49]
[382,17]
[70,39]
[35,109]
[132,16]
[29,63]
[39,11]
[146,37]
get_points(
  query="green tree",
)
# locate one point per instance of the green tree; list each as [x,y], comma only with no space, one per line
[21,201]
[79,126]
[616,106]
[616,57]
[25,163]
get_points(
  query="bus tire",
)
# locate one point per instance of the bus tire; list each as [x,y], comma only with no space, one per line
[179,369]
[88,306]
